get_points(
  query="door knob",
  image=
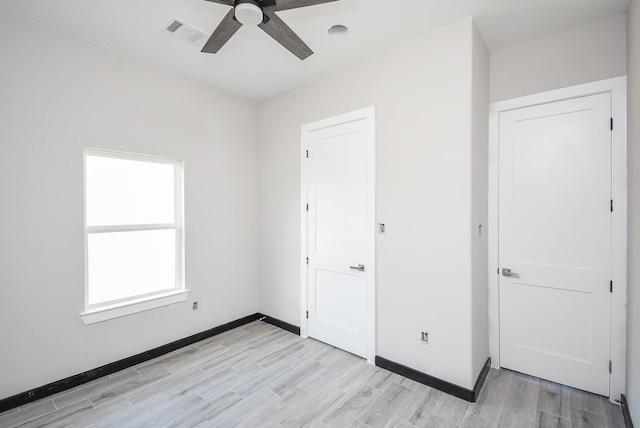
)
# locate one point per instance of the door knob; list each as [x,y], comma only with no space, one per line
[507,272]
[359,268]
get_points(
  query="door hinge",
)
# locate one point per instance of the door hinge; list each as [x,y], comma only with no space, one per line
[307,314]
[307,154]
[307,207]
[307,260]
[611,205]
[610,367]
[610,286]
[611,124]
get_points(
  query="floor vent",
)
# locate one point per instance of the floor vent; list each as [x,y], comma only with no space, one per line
[185,31]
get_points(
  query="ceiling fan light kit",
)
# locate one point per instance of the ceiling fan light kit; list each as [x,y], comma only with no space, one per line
[248,12]
[263,14]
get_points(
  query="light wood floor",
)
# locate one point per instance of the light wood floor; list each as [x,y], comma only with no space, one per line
[261,376]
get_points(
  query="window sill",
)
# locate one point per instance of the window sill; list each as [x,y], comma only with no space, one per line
[104,313]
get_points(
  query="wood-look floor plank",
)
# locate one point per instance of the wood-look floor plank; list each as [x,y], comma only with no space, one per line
[380,412]
[522,396]
[491,400]
[208,378]
[582,400]
[317,377]
[93,416]
[161,385]
[225,357]
[27,413]
[131,413]
[546,420]
[282,354]
[60,417]
[92,388]
[149,375]
[311,349]
[209,411]
[295,376]
[473,421]
[348,411]
[435,421]
[278,411]
[451,408]
[253,355]
[244,409]
[500,375]
[396,422]
[420,405]
[382,378]
[266,339]
[313,408]
[226,383]
[261,376]
[353,378]
[586,419]
[513,420]
[261,379]
[553,399]
[613,415]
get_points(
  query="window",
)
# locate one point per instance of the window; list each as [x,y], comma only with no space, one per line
[133,234]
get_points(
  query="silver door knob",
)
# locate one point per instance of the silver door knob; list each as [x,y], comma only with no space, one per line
[507,272]
[359,268]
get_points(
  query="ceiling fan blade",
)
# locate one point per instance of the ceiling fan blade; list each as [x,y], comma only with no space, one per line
[224,2]
[294,4]
[227,28]
[283,34]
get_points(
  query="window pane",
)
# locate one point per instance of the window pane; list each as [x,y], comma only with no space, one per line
[124,191]
[126,264]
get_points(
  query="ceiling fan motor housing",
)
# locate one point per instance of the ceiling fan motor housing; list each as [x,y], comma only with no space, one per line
[248,12]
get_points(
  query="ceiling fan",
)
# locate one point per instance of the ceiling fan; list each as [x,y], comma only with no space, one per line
[262,14]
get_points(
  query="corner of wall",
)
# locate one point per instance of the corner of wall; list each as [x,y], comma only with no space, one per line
[479,202]
[633,159]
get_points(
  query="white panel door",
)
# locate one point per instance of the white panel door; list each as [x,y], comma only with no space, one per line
[554,236]
[338,225]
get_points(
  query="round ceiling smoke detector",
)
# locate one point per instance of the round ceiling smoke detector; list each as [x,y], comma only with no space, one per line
[338,31]
[248,12]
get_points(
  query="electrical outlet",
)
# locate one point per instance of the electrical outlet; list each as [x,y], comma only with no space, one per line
[424,337]
[195,306]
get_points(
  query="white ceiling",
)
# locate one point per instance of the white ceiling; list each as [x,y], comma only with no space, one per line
[254,66]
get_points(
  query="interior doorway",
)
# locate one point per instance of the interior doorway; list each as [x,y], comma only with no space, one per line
[557,240]
[338,232]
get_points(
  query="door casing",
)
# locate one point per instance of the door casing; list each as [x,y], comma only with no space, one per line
[617,88]
[367,114]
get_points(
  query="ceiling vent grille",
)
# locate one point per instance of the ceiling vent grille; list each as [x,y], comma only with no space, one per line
[184,31]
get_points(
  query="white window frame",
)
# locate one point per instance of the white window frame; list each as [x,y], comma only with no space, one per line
[98,312]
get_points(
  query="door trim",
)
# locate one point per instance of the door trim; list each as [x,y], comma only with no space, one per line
[367,114]
[617,88]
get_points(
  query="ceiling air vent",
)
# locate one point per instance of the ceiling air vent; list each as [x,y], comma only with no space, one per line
[185,31]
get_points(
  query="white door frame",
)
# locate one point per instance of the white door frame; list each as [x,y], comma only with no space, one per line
[617,88]
[367,114]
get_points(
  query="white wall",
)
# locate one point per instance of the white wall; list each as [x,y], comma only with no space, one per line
[587,53]
[422,92]
[479,201]
[58,94]
[633,266]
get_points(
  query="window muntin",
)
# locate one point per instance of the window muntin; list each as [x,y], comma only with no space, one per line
[133,228]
